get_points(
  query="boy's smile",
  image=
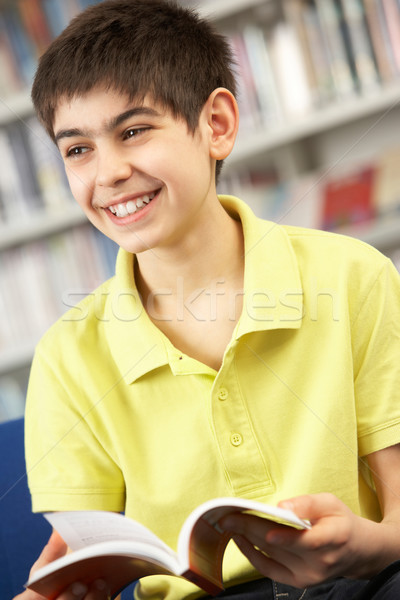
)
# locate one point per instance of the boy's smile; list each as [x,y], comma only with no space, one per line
[138,173]
[130,205]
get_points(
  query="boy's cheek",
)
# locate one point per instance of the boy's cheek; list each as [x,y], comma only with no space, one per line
[79,183]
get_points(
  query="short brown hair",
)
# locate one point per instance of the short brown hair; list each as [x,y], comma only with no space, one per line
[137,47]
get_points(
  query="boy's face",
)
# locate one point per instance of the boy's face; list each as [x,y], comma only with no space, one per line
[137,172]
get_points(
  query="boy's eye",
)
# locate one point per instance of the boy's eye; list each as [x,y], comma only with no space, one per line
[134,132]
[76,151]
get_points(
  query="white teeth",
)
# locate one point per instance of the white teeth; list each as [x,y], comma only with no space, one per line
[122,210]
[130,207]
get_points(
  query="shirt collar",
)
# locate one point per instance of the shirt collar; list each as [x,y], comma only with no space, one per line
[136,344]
[273,296]
[272,299]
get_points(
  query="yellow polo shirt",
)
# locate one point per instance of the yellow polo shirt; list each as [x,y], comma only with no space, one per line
[119,419]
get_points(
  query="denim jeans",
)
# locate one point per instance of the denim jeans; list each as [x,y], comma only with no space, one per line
[385,586]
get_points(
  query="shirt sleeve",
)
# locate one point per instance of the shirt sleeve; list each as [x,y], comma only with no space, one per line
[376,341]
[67,467]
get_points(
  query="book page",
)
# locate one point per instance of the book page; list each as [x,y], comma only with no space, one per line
[84,528]
[202,542]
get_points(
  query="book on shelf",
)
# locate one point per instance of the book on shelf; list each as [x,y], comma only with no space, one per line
[13,204]
[55,15]
[35,25]
[349,199]
[387,185]
[317,43]
[329,18]
[47,277]
[25,166]
[248,100]
[33,176]
[10,79]
[289,70]
[356,31]
[259,61]
[120,550]
[379,39]
[294,12]
[20,43]
[48,167]
[391,11]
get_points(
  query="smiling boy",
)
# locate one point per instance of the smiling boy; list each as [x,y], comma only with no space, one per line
[211,364]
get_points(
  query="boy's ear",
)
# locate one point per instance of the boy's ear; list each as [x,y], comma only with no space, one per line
[223,121]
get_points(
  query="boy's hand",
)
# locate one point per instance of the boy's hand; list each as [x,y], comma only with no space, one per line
[339,543]
[55,548]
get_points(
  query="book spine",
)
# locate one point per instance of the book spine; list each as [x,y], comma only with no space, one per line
[339,63]
[392,17]
[386,37]
[319,53]
[360,46]
[13,205]
[247,98]
[260,64]
[48,167]
[289,71]
[21,46]
[10,78]
[30,193]
[387,190]
[383,56]
[35,25]
[55,16]
[294,13]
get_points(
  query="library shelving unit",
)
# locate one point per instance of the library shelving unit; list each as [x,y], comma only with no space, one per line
[291,140]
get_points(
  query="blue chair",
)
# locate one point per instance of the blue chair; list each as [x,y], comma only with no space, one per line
[22,533]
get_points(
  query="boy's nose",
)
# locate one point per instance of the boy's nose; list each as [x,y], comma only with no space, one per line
[112,168]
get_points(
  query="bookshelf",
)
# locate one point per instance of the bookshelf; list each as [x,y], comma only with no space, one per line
[40,226]
[316,123]
[324,131]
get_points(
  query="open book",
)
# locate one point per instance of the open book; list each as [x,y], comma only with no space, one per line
[119,550]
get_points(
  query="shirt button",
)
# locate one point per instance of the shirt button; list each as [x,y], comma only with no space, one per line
[222,394]
[236,439]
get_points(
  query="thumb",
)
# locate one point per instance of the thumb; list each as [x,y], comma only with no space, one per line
[55,548]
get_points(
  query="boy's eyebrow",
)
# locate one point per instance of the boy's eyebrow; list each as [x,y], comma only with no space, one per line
[110,125]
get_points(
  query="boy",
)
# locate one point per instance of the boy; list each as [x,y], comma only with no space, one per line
[228,356]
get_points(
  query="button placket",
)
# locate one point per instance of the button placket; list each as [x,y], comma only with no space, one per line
[240,452]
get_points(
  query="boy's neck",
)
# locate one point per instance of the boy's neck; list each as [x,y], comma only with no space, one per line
[194,293]
[206,255]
